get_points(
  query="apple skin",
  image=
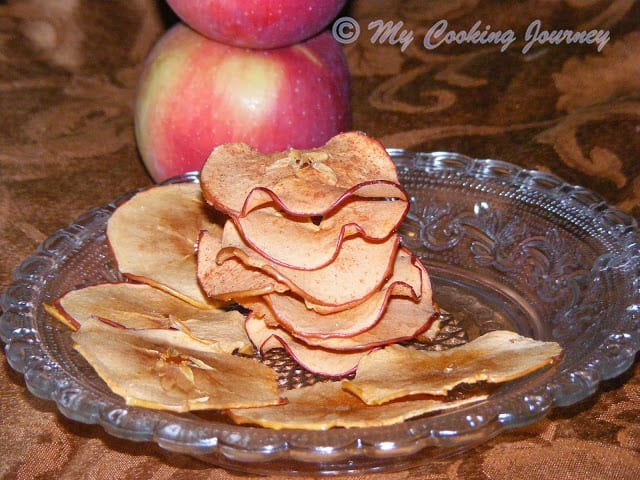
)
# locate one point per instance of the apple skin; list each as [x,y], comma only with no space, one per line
[258,24]
[195,94]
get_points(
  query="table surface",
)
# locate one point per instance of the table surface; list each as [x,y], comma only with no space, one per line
[68,72]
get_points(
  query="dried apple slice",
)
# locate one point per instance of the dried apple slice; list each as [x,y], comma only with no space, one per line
[495,357]
[408,283]
[141,306]
[236,179]
[402,273]
[322,362]
[404,319]
[231,280]
[359,269]
[317,240]
[259,309]
[325,405]
[153,237]
[149,369]
[222,336]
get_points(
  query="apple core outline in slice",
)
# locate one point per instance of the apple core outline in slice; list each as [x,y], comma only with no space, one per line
[149,368]
[236,178]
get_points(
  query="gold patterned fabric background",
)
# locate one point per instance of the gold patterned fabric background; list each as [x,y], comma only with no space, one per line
[68,71]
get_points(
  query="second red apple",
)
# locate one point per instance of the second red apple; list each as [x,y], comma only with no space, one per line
[195,94]
[257,23]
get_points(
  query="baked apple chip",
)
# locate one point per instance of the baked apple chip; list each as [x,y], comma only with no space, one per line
[495,357]
[237,179]
[269,231]
[153,237]
[320,361]
[406,320]
[140,306]
[149,368]
[230,280]
[409,285]
[326,405]
[359,269]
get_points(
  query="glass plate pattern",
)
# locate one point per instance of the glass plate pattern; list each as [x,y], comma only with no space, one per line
[505,247]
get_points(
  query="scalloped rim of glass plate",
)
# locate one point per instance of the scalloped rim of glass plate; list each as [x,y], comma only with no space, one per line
[335,451]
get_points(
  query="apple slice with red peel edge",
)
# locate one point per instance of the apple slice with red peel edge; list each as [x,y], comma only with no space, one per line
[237,179]
[149,368]
[232,279]
[322,362]
[269,231]
[153,237]
[495,357]
[409,282]
[403,273]
[357,272]
[403,319]
[326,405]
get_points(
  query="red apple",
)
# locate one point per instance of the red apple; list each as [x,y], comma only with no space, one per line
[195,94]
[257,23]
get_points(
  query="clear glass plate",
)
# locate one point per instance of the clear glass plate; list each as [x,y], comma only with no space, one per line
[506,248]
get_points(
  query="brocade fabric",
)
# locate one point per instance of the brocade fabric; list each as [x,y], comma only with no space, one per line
[68,72]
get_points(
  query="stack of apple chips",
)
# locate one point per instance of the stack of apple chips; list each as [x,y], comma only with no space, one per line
[306,241]
[310,248]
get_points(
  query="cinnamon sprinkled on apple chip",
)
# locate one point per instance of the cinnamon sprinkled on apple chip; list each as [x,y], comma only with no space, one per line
[320,197]
[237,179]
[359,269]
[401,310]
[231,279]
[268,231]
